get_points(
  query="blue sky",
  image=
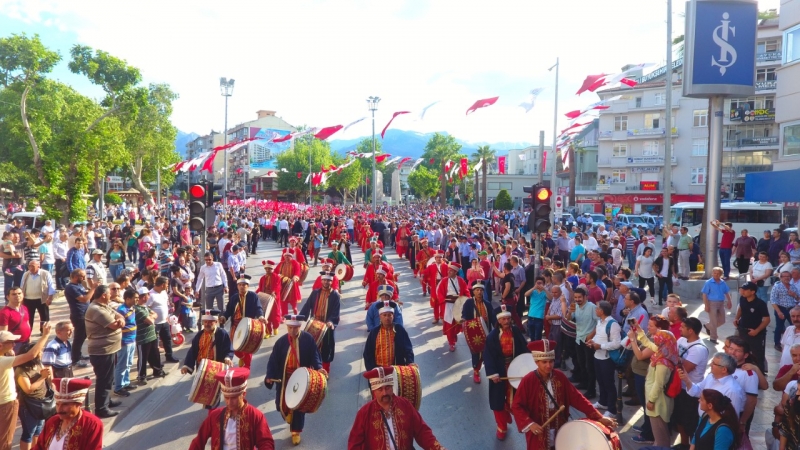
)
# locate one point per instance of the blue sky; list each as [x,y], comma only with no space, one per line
[316,61]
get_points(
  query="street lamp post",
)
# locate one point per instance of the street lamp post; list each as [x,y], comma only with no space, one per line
[372,103]
[226,89]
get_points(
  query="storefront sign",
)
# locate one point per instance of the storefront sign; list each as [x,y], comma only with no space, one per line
[645,169]
[648,185]
[634,198]
[752,115]
[649,160]
[660,71]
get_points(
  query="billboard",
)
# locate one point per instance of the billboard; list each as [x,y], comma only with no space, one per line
[263,152]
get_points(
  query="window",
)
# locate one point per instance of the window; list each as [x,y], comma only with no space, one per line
[700,147]
[751,103]
[493,186]
[791,139]
[638,102]
[659,98]
[768,46]
[701,117]
[766,74]
[620,150]
[619,176]
[652,121]
[620,123]
[698,175]
[650,148]
[791,39]
[507,186]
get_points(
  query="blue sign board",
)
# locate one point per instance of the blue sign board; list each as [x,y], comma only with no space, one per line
[720,50]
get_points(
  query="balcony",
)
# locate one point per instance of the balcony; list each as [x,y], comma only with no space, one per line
[747,143]
[647,133]
[742,169]
[768,85]
[653,106]
[769,56]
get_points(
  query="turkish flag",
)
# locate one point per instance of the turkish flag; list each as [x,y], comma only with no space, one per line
[299,175]
[208,164]
[283,138]
[464,168]
[590,82]
[327,132]
[178,166]
[392,119]
[501,164]
[430,161]
[382,158]
[482,104]
[628,82]
[403,161]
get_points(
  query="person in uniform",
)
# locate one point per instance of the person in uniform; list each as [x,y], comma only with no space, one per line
[372,289]
[344,245]
[324,304]
[385,294]
[289,271]
[541,393]
[243,303]
[503,344]
[297,251]
[477,306]
[327,266]
[246,427]
[389,344]
[270,283]
[212,343]
[434,273]
[72,427]
[422,255]
[402,239]
[411,253]
[293,350]
[447,291]
[377,264]
[389,421]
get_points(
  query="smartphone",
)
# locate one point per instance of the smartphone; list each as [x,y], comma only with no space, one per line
[632,322]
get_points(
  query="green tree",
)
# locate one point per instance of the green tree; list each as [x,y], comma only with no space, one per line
[348,180]
[441,148]
[488,156]
[423,182]
[297,160]
[503,201]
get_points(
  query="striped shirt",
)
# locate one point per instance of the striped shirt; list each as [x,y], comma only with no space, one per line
[57,353]
[129,330]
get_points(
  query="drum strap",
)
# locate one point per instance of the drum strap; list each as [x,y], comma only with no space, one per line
[389,429]
[547,391]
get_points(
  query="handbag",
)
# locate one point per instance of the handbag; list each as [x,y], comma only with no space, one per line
[673,385]
[41,409]
[620,355]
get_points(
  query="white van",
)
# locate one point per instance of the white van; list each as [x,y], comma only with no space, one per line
[31,220]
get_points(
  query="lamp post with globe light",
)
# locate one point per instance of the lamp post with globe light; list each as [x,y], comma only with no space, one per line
[372,103]
[226,89]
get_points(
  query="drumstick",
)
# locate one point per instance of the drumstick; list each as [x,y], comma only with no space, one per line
[560,409]
[273,380]
[510,378]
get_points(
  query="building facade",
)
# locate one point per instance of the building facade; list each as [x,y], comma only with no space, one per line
[586,198]
[200,145]
[787,101]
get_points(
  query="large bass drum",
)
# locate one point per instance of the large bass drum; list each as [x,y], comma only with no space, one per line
[408,384]
[475,332]
[205,387]
[306,390]
[248,335]
[519,367]
[317,329]
[586,434]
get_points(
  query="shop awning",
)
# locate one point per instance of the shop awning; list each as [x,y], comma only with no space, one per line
[775,187]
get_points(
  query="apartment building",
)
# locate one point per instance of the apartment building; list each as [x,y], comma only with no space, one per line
[787,102]
[587,199]
[200,145]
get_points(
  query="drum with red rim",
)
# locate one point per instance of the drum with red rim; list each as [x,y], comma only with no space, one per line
[408,384]
[205,387]
[586,434]
[317,329]
[248,335]
[306,390]
[304,273]
[475,332]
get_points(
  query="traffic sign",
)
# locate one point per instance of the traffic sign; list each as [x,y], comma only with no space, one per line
[559,205]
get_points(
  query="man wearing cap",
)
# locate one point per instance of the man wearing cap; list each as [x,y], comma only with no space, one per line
[503,344]
[434,273]
[146,339]
[245,426]
[384,293]
[295,349]
[323,304]
[541,393]
[96,273]
[243,303]
[423,254]
[297,250]
[337,255]
[447,291]
[289,270]
[270,283]
[752,319]
[477,306]
[212,343]
[389,421]
[372,289]
[72,427]
[389,344]
[376,264]
[327,266]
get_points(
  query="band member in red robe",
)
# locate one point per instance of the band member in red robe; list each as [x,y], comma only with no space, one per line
[372,289]
[71,427]
[270,283]
[541,393]
[246,427]
[374,248]
[411,253]
[289,271]
[376,264]
[242,304]
[447,291]
[402,239]
[434,273]
[299,256]
[423,255]
[503,344]
[291,351]
[327,266]
[324,305]
[475,307]
[389,421]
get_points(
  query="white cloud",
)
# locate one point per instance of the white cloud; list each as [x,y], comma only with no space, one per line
[316,61]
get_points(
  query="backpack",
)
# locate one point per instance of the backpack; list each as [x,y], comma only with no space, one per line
[621,355]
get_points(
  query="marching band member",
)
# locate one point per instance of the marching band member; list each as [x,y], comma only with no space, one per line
[376,264]
[243,303]
[434,273]
[289,271]
[389,344]
[323,304]
[477,306]
[374,248]
[327,266]
[72,427]
[402,239]
[385,293]
[245,426]
[389,421]
[212,343]
[447,291]
[344,245]
[411,252]
[293,350]
[270,283]
[297,250]
[372,289]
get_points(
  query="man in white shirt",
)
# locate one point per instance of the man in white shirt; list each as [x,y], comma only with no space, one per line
[60,249]
[212,282]
[159,304]
[48,226]
[350,224]
[606,338]
[694,359]
[790,337]
[720,379]
[747,375]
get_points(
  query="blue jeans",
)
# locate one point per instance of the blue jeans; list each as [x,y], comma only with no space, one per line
[605,372]
[115,270]
[535,328]
[133,254]
[31,427]
[725,260]
[780,325]
[122,370]
[647,431]
[631,259]
[48,267]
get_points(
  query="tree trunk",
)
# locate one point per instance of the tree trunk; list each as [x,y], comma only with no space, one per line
[136,180]
[443,193]
[484,185]
[37,157]
[571,177]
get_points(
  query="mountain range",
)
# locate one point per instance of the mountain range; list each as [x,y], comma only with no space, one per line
[181,140]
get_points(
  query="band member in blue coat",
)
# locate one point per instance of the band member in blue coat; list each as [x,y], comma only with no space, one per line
[236,310]
[470,311]
[389,344]
[323,304]
[385,293]
[293,350]
[503,344]
[213,343]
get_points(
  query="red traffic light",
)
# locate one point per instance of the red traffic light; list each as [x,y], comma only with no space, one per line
[197,191]
[543,194]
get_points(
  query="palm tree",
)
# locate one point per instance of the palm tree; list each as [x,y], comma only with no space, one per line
[489,156]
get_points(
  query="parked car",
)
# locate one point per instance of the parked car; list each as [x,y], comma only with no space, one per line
[629,220]
[30,219]
[479,221]
[567,219]
[653,222]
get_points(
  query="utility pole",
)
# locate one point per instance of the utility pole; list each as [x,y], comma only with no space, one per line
[665,207]
[372,103]
[553,150]
[226,89]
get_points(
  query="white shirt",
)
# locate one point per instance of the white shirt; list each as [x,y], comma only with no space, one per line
[160,304]
[212,276]
[452,284]
[748,381]
[230,436]
[696,353]
[349,223]
[60,249]
[56,443]
[600,337]
[46,249]
[727,386]
[790,337]
[760,269]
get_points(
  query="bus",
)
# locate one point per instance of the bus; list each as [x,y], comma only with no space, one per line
[753,217]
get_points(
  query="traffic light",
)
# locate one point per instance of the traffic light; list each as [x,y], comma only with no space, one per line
[529,202]
[541,208]
[197,207]
[211,193]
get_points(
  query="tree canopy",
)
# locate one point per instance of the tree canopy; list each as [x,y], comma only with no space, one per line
[503,201]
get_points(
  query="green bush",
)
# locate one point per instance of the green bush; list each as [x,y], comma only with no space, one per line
[503,201]
[113,199]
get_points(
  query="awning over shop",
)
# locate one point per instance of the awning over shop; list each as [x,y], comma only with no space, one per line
[775,187]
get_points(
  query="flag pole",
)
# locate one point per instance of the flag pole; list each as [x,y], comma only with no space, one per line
[667,188]
[553,148]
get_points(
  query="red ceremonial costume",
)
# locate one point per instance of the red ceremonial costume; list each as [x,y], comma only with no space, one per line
[318,283]
[447,291]
[370,429]
[87,431]
[423,254]
[270,283]
[402,239]
[288,268]
[433,274]
[372,291]
[376,264]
